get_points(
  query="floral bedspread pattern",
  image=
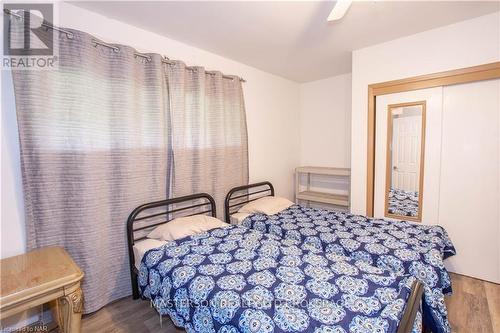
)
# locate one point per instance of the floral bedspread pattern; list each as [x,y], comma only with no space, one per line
[404,203]
[235,279]
[403,247]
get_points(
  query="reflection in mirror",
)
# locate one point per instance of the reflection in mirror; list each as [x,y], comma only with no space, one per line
[405,160]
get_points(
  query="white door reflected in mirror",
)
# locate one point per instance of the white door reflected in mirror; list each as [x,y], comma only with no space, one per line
[405,157]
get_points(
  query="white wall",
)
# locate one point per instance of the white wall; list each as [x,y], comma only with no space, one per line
[272,106]
[467,43]
[325,120]
[325,133]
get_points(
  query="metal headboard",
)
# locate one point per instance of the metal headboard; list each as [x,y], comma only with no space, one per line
[235,198]
[153,214]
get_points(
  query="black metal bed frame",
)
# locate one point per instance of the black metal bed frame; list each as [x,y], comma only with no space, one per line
[412,307]
[267,189]
[153,206]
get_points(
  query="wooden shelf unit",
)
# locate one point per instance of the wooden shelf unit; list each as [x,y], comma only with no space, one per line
[317,196]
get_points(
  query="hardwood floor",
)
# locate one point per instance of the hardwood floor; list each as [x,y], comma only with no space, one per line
[474,307]
[127,315]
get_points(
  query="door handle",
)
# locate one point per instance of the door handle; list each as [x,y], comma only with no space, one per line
[394,168]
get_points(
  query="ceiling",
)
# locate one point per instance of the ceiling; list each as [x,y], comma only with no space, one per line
[291,39]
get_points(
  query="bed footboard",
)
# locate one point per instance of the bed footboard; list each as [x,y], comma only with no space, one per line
[412,307]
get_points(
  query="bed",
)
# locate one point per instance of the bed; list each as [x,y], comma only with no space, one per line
[235,279]
[402,247]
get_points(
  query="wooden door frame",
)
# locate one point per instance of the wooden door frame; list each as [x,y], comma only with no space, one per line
[464,75]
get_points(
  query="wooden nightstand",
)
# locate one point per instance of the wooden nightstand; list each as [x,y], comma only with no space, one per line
[42,276]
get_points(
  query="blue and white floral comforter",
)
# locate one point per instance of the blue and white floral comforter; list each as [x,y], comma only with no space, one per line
[403,203]
[235,279]
[403,247]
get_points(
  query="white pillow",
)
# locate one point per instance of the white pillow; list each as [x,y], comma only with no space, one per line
[143,246]
[237,218]
[185,226]
[266,205]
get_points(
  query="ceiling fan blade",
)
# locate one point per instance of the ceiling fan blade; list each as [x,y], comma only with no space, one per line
[339,10]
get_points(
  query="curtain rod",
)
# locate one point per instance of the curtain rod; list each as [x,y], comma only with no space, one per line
[70,35]
[165,59]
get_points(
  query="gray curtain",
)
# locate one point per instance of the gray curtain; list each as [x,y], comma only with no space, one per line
[209,134]
[95,137]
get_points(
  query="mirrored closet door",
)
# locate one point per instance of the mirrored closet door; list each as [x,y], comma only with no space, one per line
[437,161]
[407,162]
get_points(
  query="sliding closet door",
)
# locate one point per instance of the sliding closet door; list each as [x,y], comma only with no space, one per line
[432,149]
[469,198]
